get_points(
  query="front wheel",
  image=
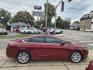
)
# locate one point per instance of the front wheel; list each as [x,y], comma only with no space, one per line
[75,57]
[23,57]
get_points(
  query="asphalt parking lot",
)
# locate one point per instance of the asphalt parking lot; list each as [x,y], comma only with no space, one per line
[77,37]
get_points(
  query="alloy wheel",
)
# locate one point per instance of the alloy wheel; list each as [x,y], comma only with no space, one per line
[76,57]
[23,57]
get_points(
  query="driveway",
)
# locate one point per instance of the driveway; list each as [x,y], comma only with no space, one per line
[12,33]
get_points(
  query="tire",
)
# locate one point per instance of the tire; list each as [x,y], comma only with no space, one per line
[75,57]
[23,57]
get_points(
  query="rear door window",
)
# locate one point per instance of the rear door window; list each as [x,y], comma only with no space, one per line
[36,39]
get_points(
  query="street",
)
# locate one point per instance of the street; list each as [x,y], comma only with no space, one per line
[85,38]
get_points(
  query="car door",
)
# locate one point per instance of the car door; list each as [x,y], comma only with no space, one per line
[55,49]
[46,48]
[37,47]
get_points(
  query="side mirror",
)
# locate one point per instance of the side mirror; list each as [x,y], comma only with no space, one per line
[62,43]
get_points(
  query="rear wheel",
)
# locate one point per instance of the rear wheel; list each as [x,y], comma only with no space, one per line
[76,57]
[23,57]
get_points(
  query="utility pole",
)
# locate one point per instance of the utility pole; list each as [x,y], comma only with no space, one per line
[62,8]
[46,14]
[55,12]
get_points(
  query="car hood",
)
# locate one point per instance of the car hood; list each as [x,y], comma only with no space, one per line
[72,44]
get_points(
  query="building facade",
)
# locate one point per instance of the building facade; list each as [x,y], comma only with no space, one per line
[86,22]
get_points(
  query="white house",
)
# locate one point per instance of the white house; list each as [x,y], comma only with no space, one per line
[17,26]
[75,25]
[86,22]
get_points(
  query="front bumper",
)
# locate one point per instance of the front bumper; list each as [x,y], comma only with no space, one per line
[85,54]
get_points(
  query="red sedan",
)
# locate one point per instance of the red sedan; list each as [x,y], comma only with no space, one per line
[45,47]
[90,66]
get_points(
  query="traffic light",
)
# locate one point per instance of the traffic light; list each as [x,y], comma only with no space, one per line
[62,7]
[69,0]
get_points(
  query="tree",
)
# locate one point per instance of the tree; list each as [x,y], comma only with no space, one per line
[4,16]
[38,23]
[12,20]
[65,24]
[23,16]
[50,13]
[60,23]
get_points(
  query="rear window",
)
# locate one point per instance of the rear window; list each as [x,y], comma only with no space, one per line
[35,39]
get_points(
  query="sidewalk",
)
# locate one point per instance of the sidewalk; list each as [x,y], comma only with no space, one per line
[11,64]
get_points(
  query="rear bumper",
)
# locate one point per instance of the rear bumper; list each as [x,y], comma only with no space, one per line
[11,51]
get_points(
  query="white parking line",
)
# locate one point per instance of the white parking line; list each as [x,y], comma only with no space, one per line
[78,39]
[90,44]
[81,39]
[85,41]
[73,37]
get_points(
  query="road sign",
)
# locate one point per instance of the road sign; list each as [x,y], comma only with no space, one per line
[38,7]
[38,13]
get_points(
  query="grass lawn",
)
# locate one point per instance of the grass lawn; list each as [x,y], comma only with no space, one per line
[0,26]
[14,37]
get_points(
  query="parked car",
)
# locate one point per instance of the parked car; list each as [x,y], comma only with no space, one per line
[58,31]
[3,31]
[39,31]
[45,47]
[54,30]
[30,31]
[25,30]
[35,31]
[90,66]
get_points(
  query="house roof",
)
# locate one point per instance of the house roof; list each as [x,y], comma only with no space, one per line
[87,16]
[91,11]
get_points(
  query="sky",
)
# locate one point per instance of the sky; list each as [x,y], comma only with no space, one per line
[74,10]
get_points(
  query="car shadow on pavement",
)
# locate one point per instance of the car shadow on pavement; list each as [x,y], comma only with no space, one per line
[13,63]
